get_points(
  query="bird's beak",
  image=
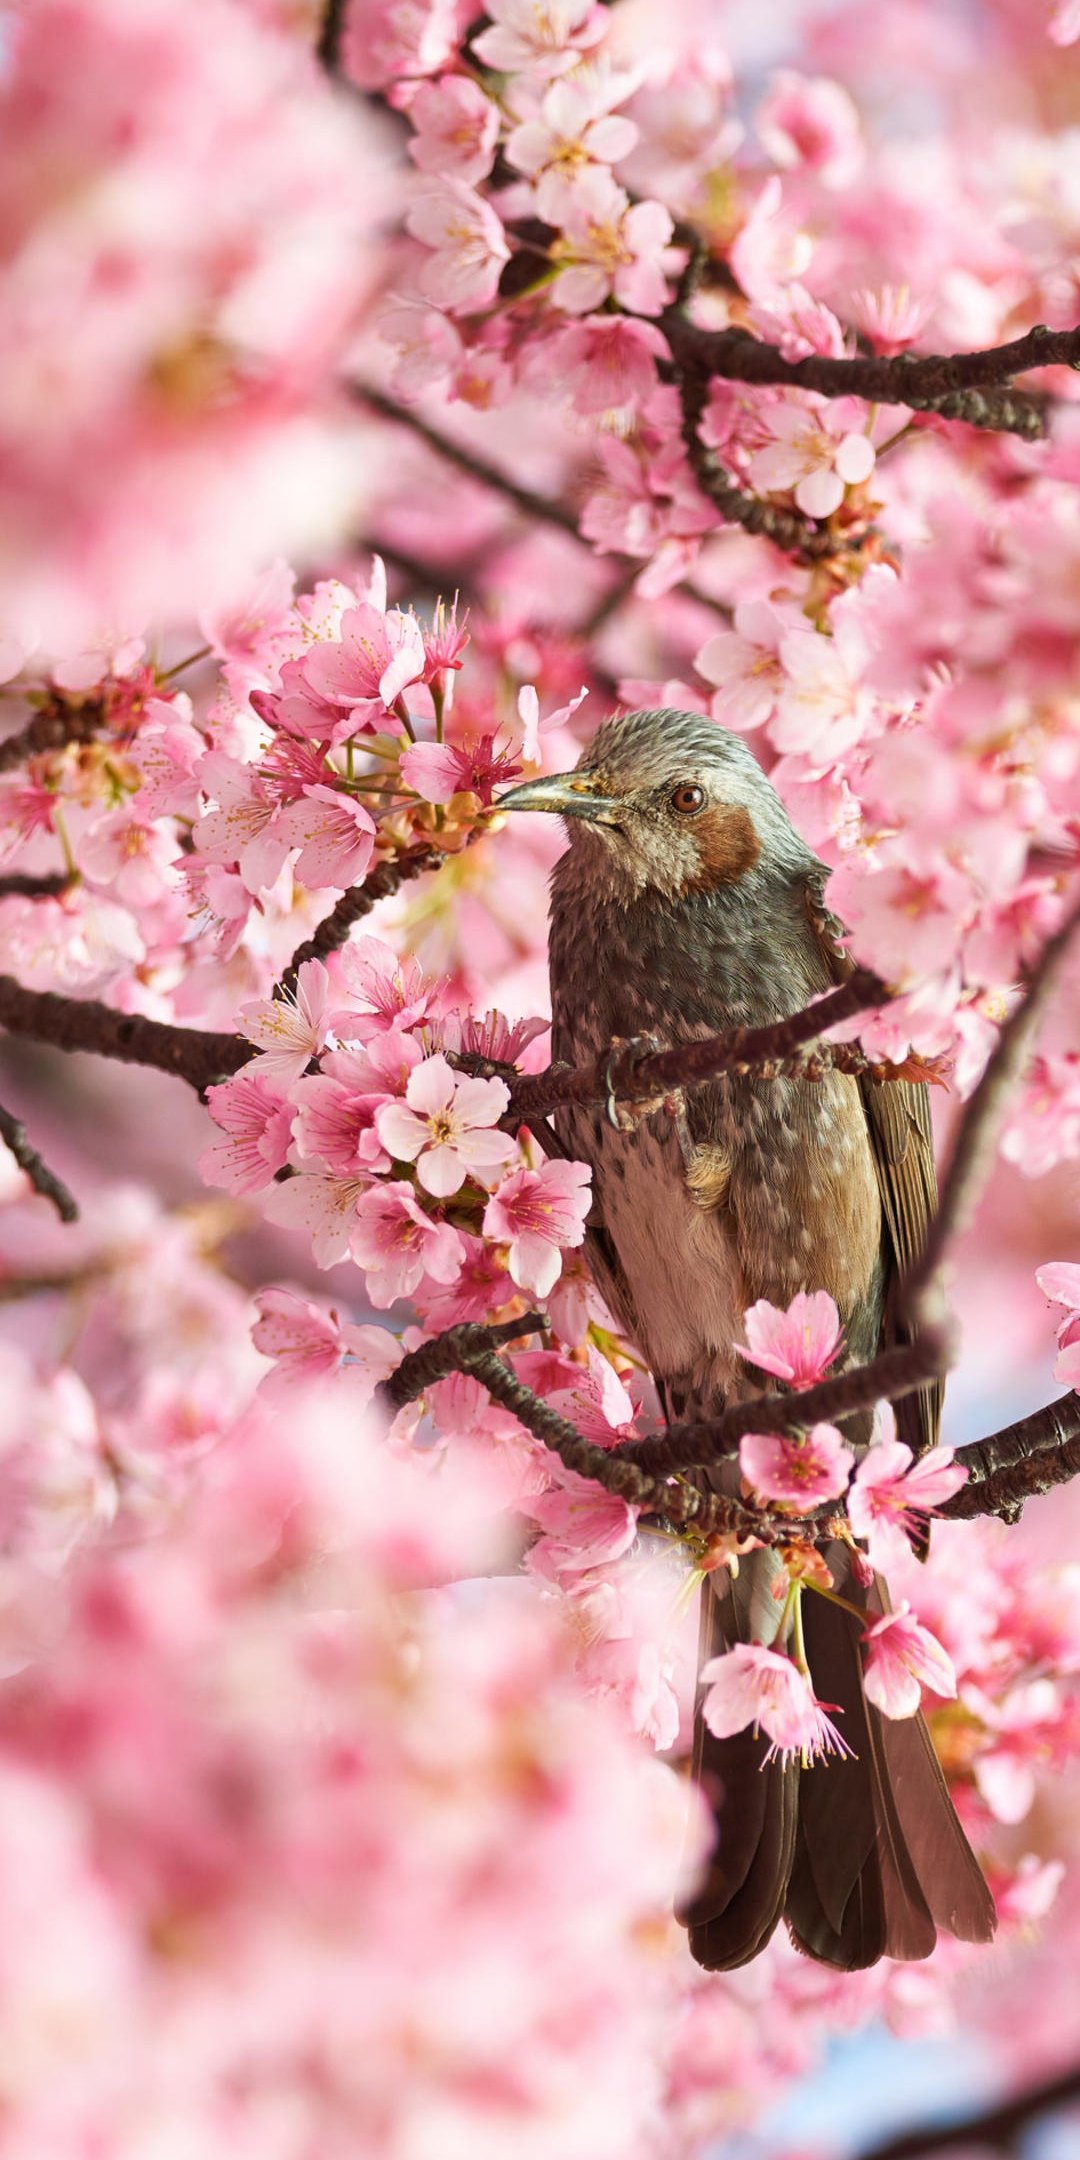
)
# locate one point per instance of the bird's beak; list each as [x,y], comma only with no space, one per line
[569,794]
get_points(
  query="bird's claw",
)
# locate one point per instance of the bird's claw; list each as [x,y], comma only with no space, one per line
[624,1054]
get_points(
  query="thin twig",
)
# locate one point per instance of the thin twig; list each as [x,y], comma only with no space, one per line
[975,1146]
[477,468]
[353,905]
[43,1180]
[328,48]
[997,2128]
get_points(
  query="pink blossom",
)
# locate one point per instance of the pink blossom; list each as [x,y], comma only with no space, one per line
[798,1344]
[750,1685]
[1060,1282]
[376,657]
[610,246]
[243,828]
[603,362]
[457,127]
[397,1244]
[308,1343]
[745,665]
[812,453]
[321,1204]
[530,726]
[256,1119]
[335,835]
[336,1127]
[384,989]
[489,1035]
[543,37]
[444,1127]
[902,1658]
[811,122]
[769,252]
[289,1031]
[537,1213]
[469,242]
[798,1469]
[890,316]
[825,705]
[892,1496]
[572,128]
[383,40]
[130,853]
[581,1526]
[439,771]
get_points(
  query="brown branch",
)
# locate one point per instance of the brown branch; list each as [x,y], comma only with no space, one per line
[473,1349]
[49,886]
[192,1054]
[627,1075]
[43,1180]
[52,729]
[920,381]
[998,2127]
[787,529]
[380,883]
[1018,1463]
[698,1443]
[328,48]
[1006,412]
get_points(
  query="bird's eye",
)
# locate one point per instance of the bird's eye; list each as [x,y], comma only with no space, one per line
[687,799]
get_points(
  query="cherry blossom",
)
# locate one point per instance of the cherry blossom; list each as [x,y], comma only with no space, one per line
[892,1495]
[469,242]
[456,129]
[546,39]
[902,1658]
[811,123]
[610,245]
[798,1469]
[335,836]
[798,1345]
[810,453]
[289,1031]
[398,1244]
[538,1213]
[754,1686]
[444,1127]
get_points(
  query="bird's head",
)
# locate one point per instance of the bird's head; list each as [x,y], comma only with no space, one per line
[669,802]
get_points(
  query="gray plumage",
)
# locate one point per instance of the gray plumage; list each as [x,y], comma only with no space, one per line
[687,904]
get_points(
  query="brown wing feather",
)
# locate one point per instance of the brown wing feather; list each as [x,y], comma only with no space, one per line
[901,1136]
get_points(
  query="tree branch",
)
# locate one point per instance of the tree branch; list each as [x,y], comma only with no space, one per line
[466,461]
[1018,1463]
[626,1075]
[327,50]
[333,931]
[48,886]
[56,725]
[192,1054]
[43,1180]
[998,2127]
[975,1146]
[787,529]
[919,381]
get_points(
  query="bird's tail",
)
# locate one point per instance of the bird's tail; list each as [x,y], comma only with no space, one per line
[862,1855]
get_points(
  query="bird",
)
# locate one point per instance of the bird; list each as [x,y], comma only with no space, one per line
[686,904]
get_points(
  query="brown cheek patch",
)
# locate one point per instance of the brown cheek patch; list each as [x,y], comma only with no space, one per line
[727,848]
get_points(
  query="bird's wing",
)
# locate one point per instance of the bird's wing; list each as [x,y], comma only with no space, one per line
[898,1121]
